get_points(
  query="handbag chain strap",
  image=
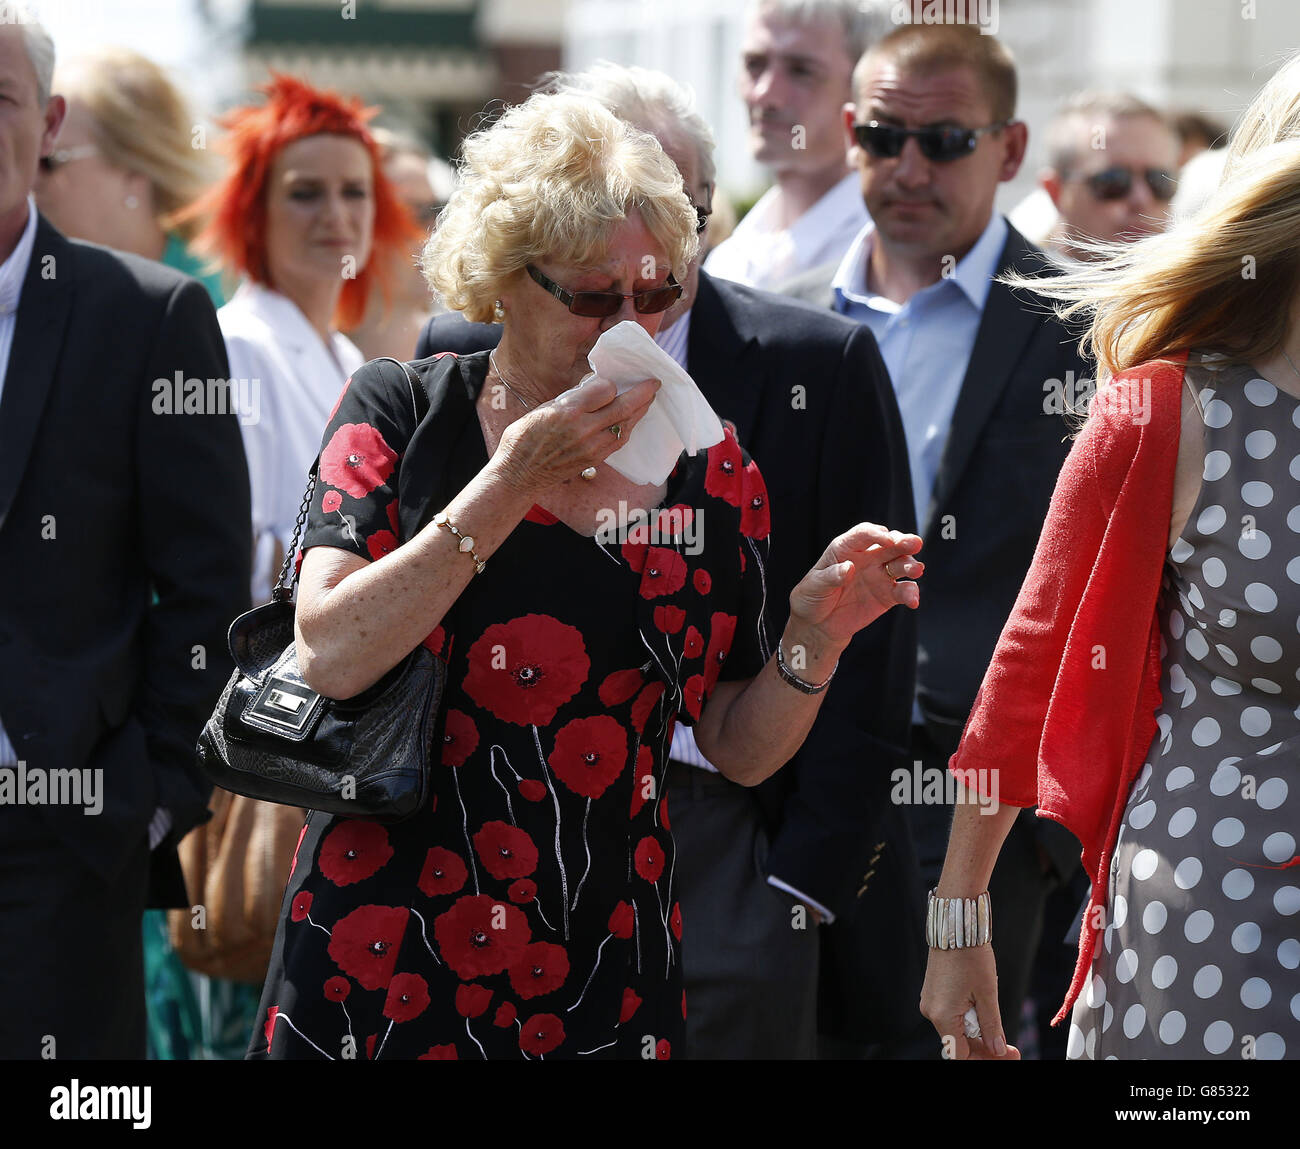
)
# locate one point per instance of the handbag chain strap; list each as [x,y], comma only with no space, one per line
[282,591]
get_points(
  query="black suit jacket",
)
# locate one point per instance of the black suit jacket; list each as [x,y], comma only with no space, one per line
[995,480]
[124,541]
[812,403]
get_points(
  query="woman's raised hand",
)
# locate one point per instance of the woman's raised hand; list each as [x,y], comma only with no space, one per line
[558,440]
[854,582]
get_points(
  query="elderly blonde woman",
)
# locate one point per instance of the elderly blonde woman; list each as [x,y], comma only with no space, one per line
[529,912]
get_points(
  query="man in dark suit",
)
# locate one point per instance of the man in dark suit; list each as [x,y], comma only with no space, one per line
[758,868]
[124,541]
[983,376]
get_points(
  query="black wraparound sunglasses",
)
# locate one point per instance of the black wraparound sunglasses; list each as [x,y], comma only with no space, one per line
[599,304]
[1116,183]
[939,144]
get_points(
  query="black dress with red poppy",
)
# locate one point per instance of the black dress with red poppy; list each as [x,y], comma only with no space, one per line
[529,910]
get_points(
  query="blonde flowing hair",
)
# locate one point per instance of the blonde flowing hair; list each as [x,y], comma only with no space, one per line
[1222,280]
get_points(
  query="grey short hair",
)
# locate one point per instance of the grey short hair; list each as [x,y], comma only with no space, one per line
[1089,106]
[37,41]
[864,21]
[649,100]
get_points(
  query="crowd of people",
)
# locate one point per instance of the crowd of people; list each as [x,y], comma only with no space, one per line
[990,608]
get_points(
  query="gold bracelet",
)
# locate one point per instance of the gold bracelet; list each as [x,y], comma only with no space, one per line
[466,544]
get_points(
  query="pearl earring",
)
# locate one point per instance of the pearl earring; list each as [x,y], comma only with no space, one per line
[498,312]
[132,201]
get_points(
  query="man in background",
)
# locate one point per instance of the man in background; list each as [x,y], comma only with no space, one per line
[797,58]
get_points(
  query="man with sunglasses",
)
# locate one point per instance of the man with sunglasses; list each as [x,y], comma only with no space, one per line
[932,132]
[758,869]
[1112,172]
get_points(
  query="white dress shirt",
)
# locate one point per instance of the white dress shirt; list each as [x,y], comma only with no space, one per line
[12,274]
[684,749]
[280,361]
[761,253]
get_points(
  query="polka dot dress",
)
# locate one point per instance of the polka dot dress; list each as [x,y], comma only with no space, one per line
[1200,956]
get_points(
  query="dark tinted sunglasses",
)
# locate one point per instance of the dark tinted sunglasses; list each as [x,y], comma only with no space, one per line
[941,145]
[1116,183]
[599,304]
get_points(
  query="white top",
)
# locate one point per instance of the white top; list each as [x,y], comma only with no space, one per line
[286,381]
[762,254]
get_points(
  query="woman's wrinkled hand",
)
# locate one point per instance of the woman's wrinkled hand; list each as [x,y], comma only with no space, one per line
[558,440]
[850,588]
[955,981]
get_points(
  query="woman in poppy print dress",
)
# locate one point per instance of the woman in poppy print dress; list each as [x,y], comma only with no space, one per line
[529,912]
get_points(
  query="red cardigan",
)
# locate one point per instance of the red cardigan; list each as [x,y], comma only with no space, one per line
[1066,711]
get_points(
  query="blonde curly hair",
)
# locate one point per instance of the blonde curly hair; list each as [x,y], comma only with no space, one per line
[551,180]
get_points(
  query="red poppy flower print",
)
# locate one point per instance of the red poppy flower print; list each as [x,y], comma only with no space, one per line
[541,516]
[352,851]
[335,409]
[634,555]
[480,935]
[381,543]
[755,516]
[337,988]
[440,1053]
[443,873]
[645,702]
[364,943]
[472,1000]
[459,738]
[301,905]
[531,790]
[370,1046]
[540,1034]
[505,1015]
[645,780]
[619,686]
[649,859]
[663,814]
[675,920]
[269,1027]
[694,645]
[702,580]
[693,695]
[541,969]
[622,921]
[408,997]
[723,478]
[722,630]
[631,1003]
[522,892]
[664,573]
[589,754]
[330,502]
[669,619]
[356,460]
[524,670]
[663,1050]
[394,523]
[673,522]
[435,638]
[505,850]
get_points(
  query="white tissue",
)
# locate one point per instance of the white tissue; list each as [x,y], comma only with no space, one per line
[679,419]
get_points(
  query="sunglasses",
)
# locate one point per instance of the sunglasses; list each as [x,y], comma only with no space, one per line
[941,145]
[599,304]
[1116,183]
[61,156]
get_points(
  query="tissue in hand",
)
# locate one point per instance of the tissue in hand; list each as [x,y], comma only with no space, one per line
[679,419]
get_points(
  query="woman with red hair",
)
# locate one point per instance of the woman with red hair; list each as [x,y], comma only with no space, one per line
[307,217]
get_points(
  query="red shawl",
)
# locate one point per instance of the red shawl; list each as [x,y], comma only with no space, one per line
[1066,711]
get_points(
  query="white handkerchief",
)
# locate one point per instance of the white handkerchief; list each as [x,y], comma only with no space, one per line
[679,419]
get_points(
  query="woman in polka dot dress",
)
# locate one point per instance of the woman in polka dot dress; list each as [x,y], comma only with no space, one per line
[1145,691]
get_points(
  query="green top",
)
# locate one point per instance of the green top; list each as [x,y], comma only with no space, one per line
[177,255]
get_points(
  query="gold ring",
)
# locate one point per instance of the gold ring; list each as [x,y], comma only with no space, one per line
[589,473]
[617,431]
[893,577]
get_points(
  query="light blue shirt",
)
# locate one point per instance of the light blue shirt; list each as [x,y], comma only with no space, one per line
[926,342]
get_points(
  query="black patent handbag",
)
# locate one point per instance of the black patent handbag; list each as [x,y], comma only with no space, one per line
[272,737]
